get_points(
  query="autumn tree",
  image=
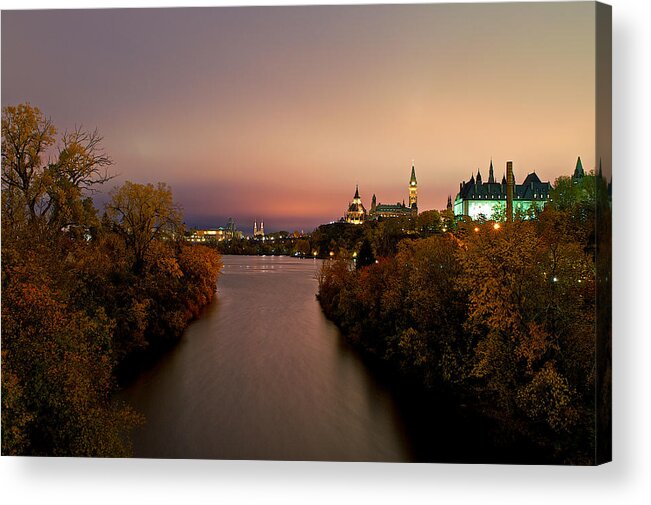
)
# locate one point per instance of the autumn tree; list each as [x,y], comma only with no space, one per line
[143,213]
[531,313]
[448,219]
[429,221]
[26,136]
[55,193]
[81,166]
[567,193]
[434,339]
[56,366]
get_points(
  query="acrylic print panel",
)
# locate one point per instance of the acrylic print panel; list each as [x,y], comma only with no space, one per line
[340,233]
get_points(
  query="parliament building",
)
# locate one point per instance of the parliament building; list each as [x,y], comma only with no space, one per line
[357,214]
[495,200]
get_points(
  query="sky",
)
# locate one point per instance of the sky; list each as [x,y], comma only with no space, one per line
[276,113]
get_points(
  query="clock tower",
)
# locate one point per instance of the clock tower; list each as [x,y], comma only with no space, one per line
[413,189]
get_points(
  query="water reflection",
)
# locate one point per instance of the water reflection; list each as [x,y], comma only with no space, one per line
[263,375]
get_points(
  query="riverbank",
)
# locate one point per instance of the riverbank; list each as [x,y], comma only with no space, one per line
[262,374]
[449,313]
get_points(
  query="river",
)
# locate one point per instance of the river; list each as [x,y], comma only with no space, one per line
[262,374]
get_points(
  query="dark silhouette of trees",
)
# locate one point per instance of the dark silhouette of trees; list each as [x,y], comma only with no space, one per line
[365,257]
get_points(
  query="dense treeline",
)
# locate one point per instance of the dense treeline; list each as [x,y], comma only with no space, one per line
[339,238]
[276,244]
[502,313]
[383,235]
[83,295]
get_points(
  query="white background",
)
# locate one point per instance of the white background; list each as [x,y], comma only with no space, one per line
[626,480]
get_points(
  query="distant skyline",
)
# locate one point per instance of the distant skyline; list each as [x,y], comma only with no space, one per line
[276,113]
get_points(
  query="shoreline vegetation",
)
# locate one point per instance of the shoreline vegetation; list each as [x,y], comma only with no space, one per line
[86,298]
[500,315]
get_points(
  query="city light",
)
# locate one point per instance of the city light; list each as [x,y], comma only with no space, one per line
[496,226]
[476,229]
[332,254]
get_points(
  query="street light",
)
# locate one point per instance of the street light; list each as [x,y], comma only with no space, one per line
[476,229]
[496,226]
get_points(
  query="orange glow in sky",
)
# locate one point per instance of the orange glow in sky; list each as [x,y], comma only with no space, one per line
[276,113]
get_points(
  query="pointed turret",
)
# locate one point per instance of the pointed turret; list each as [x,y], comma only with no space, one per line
[478,177]
[491,175]
[449,206]
[504,179]
[356,197]
[412,179]
[578,170]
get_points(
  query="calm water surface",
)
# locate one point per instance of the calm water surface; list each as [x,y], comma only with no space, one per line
[263,375]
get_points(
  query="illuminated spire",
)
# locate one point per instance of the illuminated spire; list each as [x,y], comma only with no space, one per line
[356,192]
[412,179]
